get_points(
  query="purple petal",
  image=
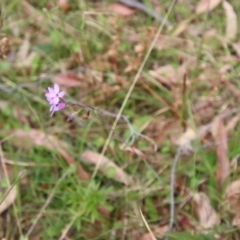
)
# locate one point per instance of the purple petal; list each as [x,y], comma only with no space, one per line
[50,100]
[52,107]
[50,95]
[61,106]
[51,90]
[55,100]
[61,94]
[56,88]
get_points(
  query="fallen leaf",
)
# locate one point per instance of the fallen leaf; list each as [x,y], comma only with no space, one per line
[206,215]
[121,9]
[219,133]
[64,5]
[133,63]
[31,11]
[9,199]
[185,140]
[231,21]
[67,80]
[139,48]
[232,196]
[106,166]
[23,50]
[181,27]
[34,137]
[186,137]
[166,75]
[232,123]
[158,232]
[203,111]
[207,5]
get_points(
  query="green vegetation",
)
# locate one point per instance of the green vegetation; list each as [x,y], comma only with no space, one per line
[54,182]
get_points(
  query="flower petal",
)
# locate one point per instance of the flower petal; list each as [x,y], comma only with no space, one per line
[50,100]
[52,108]
[61,94]
[56,88]
[50,95]
[61,106]
[55,100]
[51,90]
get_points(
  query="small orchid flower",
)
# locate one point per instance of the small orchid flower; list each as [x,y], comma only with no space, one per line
[57,107]
[53,95]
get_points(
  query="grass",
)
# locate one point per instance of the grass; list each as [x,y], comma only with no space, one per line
[52,196]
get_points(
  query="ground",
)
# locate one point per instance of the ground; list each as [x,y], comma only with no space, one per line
[146,143]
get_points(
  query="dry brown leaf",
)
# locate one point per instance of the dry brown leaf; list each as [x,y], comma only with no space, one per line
[64,5]
[157,232]
[185,140]
[232,196]
[231,21]
[206,215]
[67,80]
[23,50]
[9,200]
[165,42]
[34,137]
[165,75]
[121,9]
[106,165]
[24,57]
[203,111]
[232,123]
[207,5]
[220,135]
[133,63]
[29,10]
[166,126]
[186,137]
[181,28]
[139,48]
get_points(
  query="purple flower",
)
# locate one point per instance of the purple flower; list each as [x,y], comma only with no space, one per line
[57,107]
[53,95]
[54,98]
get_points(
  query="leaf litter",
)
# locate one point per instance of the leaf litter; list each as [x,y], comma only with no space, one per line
[34,137]
[206,214]
[220,135]
[121,65]
[108,167]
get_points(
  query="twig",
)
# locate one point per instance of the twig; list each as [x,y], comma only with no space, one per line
[172,182]
[140,6]
[146,224]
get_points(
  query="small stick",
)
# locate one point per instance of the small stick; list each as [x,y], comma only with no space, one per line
[140,6]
